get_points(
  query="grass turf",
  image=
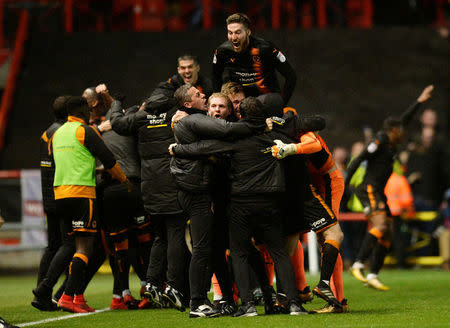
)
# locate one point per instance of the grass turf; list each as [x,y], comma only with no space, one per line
[418,298]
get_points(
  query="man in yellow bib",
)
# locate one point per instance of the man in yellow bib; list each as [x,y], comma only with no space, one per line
[75,146]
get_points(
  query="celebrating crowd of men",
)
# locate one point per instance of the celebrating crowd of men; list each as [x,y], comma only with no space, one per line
[189,157]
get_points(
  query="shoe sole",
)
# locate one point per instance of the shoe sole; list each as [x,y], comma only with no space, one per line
[180,308]
[367,284]
[298,313]
[202,315]
[42,307]
[357,277]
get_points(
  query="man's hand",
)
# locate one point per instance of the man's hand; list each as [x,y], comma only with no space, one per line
[178,116]
[142,106]
[171,147]
[269,125]
[105,126]
[101,88]
[426,94]
[280,150]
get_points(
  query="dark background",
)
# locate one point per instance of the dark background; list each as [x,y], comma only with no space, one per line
[353,77]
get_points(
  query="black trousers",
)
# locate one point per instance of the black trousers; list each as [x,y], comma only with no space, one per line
[169,251]
[53,243]
[198,208]
[258,216]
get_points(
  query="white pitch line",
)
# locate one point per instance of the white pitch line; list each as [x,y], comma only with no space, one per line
[26,324]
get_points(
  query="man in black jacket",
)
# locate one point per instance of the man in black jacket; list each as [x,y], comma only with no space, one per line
[193,177]
[60,246]
[251,62]
[257,184]
[152,129]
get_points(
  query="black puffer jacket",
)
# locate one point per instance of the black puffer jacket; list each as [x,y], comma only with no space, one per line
[195,174]
[152,129]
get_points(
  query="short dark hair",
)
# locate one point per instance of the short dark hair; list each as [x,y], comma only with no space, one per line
[251,107]
[239,18]
[60,107]
[77,106]
[231,88]
[181,95]
[391,122]
[188,57]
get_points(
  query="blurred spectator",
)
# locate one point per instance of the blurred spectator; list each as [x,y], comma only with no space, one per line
[340,155]
[429,119]
[428,171]
[400,201]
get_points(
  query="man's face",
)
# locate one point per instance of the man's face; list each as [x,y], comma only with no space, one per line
[238,36]
[188,71]
[236,100]
[198,99]
[218,108]
[397,135]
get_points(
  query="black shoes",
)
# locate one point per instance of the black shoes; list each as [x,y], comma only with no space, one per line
[226,307]
[246,310]
[174,298]
[296,309]
[43,299]
[204,311]
[153,295]
[324,292]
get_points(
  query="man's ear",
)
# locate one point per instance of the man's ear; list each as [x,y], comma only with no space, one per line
[249,32]
[93,103]
[187,105]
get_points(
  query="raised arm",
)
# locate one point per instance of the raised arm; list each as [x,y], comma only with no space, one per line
[409,113]
[121,123]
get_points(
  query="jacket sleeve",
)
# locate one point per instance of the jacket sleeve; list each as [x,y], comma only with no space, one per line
[202,148]
[121,123]
[408,114]
[211,128]
[218,68]
[283,66]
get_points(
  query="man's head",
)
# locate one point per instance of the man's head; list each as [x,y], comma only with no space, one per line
[272,104]
[238,29]
[95,104]
[219,106]
[188,68]
[429,118]
[190,97]
[235,93]
[394,129]
[340,155]
[252,108]
[92,97]
[78,106]
[60,107]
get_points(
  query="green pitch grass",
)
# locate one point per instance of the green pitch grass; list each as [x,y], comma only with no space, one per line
[418,298]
